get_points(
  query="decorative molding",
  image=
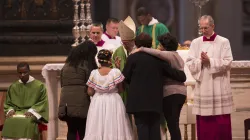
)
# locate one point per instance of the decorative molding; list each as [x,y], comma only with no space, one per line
[37,39]
[35,27]
[8,64]
[44,24]
[241,64]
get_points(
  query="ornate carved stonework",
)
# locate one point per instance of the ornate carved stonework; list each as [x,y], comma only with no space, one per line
[35,27]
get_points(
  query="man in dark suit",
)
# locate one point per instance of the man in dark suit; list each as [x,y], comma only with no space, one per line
[145,75]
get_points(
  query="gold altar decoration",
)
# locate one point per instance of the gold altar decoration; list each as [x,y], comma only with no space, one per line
[182,48]
[82,21]
[199,4]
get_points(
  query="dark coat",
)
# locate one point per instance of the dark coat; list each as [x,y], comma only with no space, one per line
[74,91]
[145,75]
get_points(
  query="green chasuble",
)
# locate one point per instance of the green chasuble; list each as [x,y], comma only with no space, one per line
[121,54]
[22,97]
[154,31]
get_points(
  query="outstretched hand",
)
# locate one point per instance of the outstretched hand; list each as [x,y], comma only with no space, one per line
[117,62]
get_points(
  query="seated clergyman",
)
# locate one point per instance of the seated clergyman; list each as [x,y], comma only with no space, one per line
[26,106]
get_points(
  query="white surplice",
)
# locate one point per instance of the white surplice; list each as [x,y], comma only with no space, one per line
[117,42]
[212,95]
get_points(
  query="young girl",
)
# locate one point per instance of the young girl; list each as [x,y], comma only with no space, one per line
[107,118]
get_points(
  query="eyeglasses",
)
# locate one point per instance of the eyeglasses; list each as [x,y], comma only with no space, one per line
[203,28]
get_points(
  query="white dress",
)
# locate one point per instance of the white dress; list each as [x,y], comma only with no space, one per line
[107,118]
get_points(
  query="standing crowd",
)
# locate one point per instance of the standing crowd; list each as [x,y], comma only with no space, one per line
[130,86]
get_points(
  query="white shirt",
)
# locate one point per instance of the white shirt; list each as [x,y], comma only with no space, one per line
[117,42]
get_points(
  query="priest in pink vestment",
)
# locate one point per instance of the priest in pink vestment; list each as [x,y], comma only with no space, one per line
[209,61]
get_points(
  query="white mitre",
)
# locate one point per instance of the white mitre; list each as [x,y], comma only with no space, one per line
[127,29]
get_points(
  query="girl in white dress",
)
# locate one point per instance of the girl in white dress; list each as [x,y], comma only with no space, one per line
[107,118]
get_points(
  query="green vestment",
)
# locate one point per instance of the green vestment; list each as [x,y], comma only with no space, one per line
[22,97]
[154,31]
[121,54]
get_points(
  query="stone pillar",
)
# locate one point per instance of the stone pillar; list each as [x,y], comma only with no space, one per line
[118,9]
[228,19]
[53,106]
[187,21]
[240,83]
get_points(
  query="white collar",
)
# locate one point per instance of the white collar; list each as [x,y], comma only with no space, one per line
[30,80]
[153,21]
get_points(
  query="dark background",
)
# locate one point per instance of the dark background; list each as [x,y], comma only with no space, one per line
[41,27]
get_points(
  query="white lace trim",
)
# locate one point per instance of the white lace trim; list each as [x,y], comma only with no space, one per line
[51,67]
[241,64]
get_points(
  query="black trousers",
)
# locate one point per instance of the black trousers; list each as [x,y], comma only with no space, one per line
[76,125]
[172,106]
[148,125]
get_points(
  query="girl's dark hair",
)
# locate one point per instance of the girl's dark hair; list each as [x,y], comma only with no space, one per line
[143,40]
[168,41]
[83,53]
[104,56]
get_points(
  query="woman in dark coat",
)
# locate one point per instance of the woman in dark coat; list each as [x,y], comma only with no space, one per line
[74,100]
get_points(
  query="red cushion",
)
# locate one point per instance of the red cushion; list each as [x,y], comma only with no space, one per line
[1,127]
[42,127]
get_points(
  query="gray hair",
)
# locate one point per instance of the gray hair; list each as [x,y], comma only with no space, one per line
[97,25]
[207,17]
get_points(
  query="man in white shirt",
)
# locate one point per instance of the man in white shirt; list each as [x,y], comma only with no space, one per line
[209,61]
[96,31]
[111,34]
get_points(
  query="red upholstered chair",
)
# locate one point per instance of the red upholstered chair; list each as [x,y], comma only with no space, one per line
[247,127]
[43,130]
[1,128]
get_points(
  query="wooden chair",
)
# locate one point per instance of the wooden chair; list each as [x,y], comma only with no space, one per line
[247,127]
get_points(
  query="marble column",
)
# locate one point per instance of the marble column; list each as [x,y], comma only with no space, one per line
[187,21]
[53,105]
[229,24]
[118,9]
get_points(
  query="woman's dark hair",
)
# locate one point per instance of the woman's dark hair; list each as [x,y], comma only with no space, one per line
[104,56]
[83,53]
[168,41]
[143,40]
